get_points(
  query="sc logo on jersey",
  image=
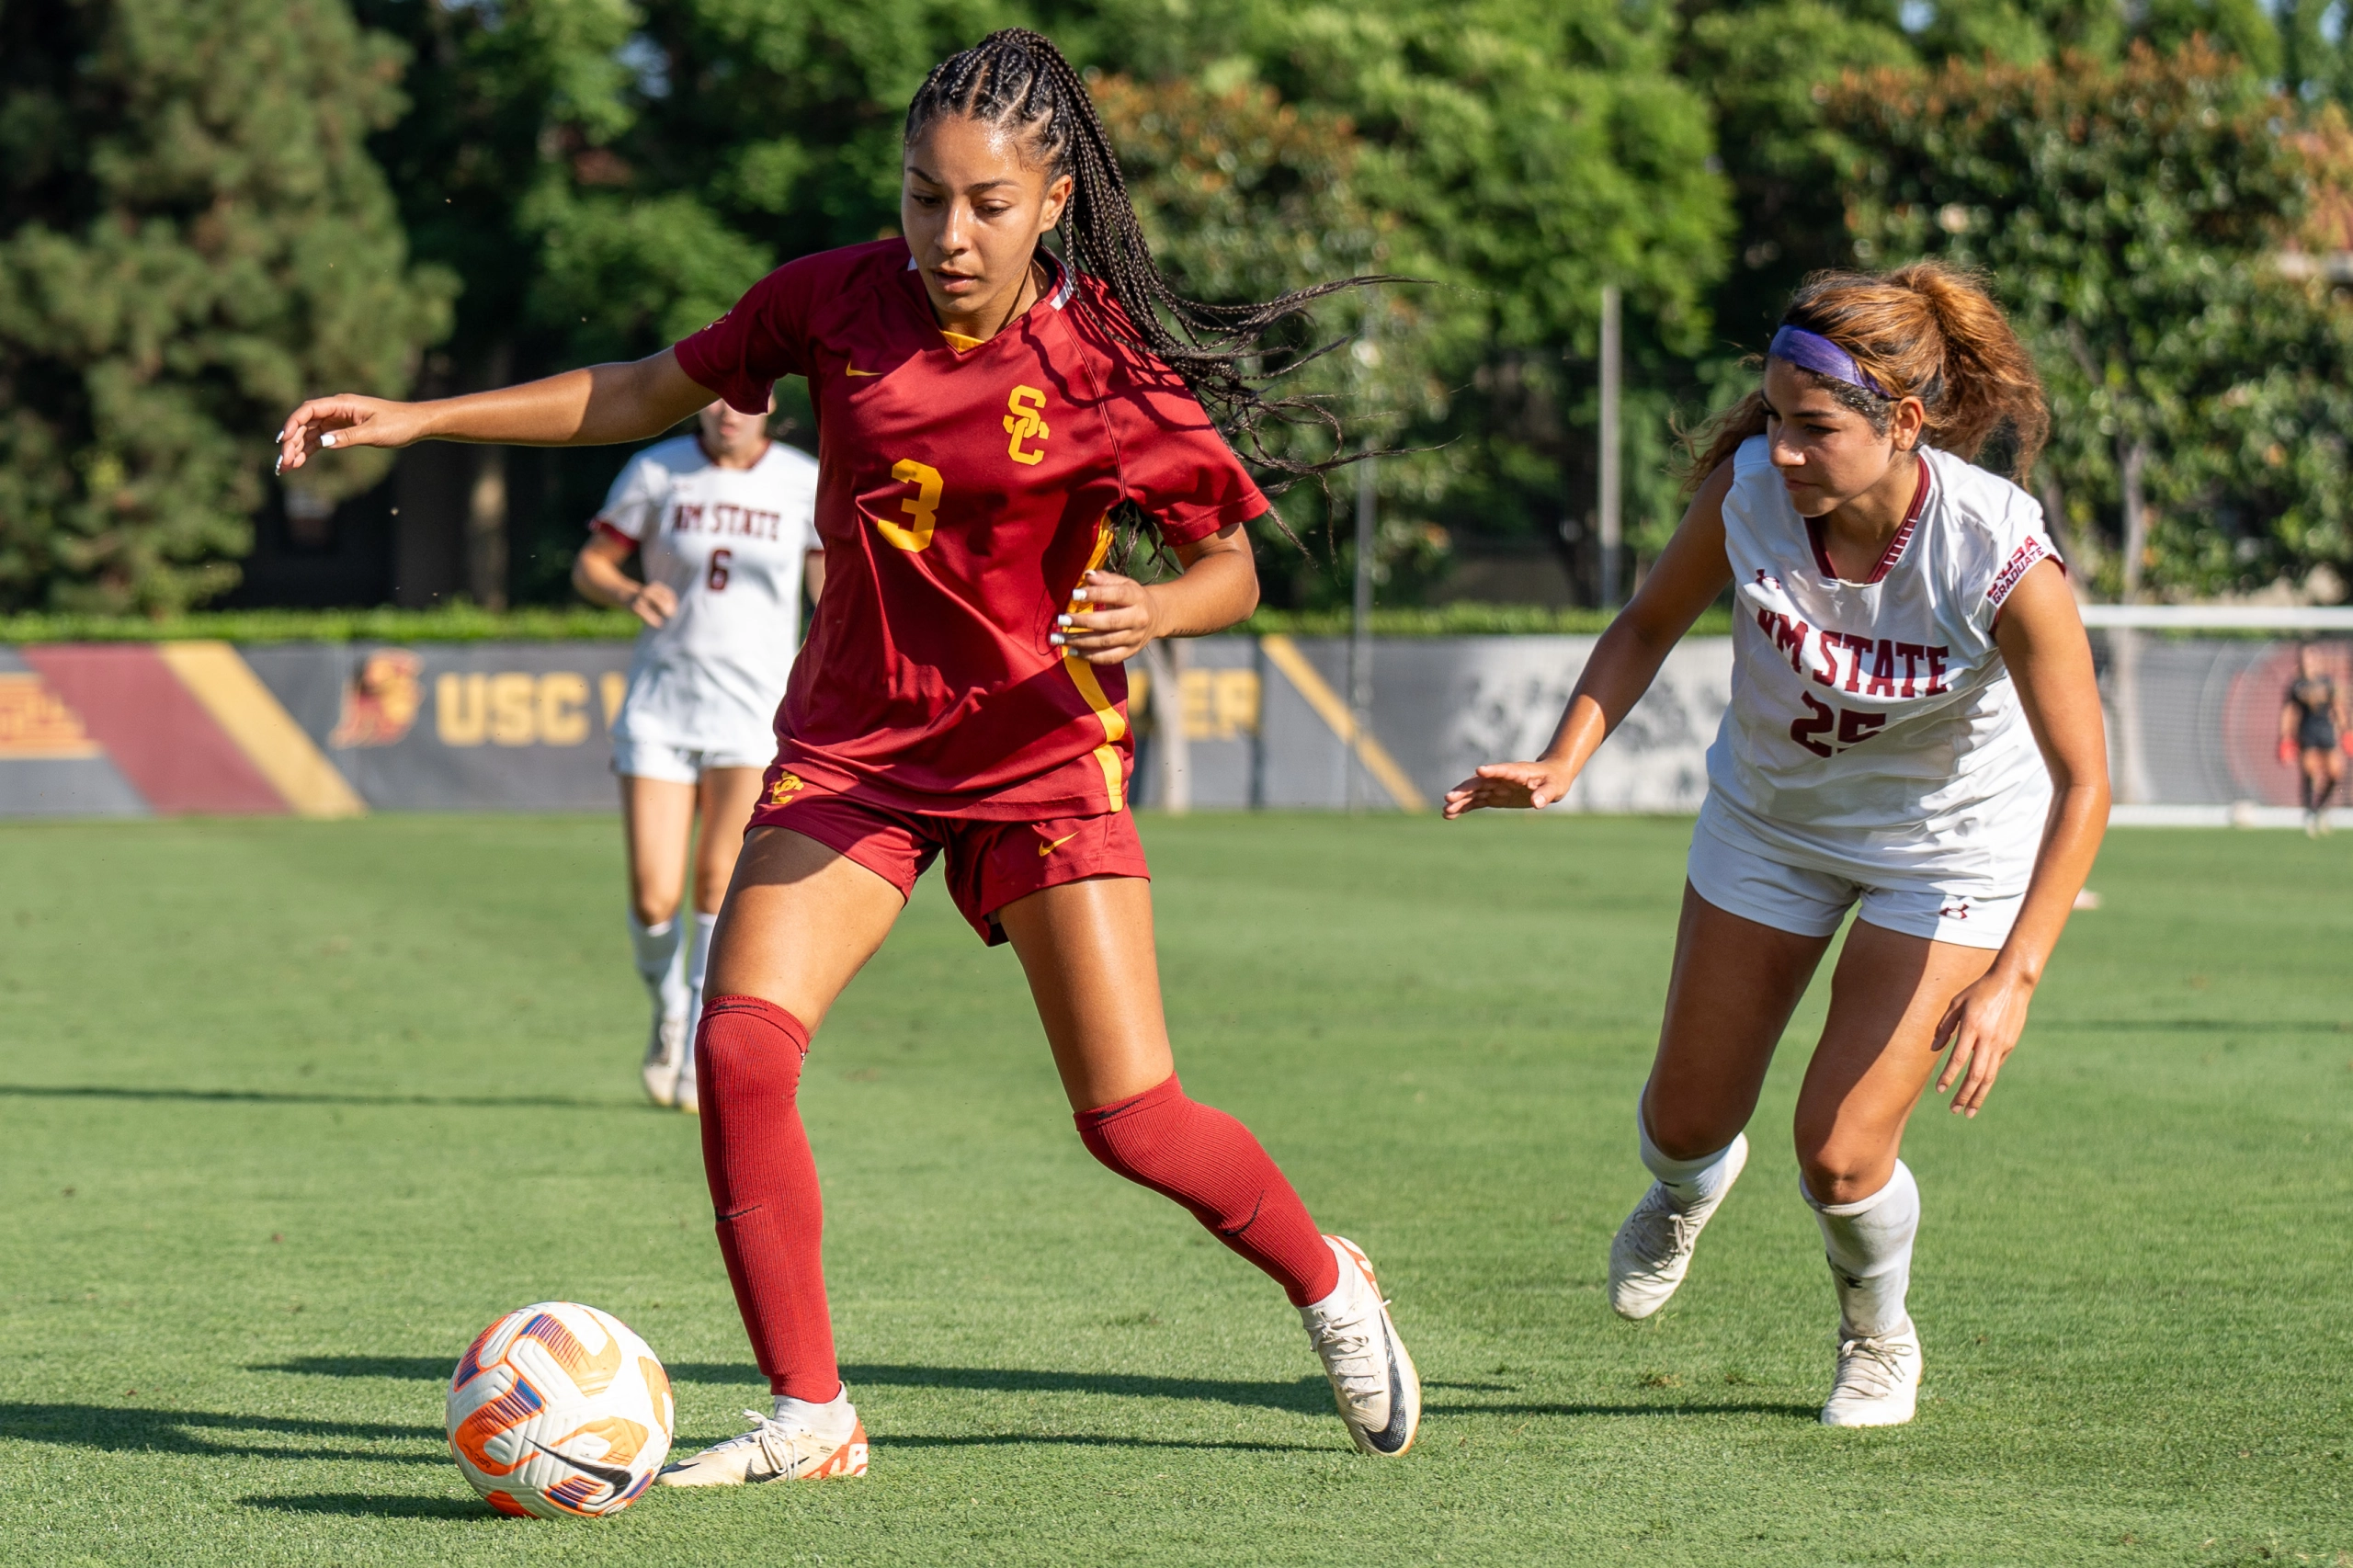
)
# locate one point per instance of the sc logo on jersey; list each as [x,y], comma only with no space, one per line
[1026,422]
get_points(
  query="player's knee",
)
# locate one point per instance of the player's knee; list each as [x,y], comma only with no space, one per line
[748,1051]
[1688,1130]
[1840,1169]
[653,905]
[1136,1137]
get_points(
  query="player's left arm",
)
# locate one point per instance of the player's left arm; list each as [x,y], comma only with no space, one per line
[2050,660]
[1218,585]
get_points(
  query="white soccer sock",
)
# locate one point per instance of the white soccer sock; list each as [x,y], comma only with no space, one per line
[698,964]
[833,1420]
[660,950]
[1868,1244]
[1686,1181]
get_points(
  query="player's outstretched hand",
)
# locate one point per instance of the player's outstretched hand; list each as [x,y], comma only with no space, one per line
[1120,617]
[1983,1027]
[345,420]
[1508,786]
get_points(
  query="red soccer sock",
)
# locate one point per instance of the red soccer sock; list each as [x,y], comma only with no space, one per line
[1208,1162]
[764,1187]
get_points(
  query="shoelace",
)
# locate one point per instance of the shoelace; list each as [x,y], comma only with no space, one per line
[1347,1346]
[1868,1365]
[1662,1232]
[775,1440]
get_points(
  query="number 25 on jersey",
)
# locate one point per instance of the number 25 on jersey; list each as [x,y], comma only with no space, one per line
[1852,726]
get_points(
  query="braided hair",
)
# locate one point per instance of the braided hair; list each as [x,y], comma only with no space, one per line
[1017,80]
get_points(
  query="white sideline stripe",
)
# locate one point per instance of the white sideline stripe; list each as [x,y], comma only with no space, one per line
[2244,814]
[2221,617]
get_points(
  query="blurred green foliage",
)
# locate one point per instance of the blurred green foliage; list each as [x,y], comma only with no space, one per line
[2129,214]
[192,236]
[595,178]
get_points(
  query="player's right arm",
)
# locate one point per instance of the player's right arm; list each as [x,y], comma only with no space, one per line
[1685,580]
[596,577]
[591,408]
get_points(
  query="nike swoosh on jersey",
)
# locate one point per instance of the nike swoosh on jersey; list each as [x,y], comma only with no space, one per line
[1046,849]
[854,370]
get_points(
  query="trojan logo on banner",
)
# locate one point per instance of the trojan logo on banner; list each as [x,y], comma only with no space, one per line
[306,730]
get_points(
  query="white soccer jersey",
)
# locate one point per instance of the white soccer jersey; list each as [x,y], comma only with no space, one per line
[1874,732]
[730,543]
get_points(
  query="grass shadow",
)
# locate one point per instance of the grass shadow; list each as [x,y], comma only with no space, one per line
[1090,1440]
[1309,1395]
[133,1430]
[379,1506]
[1808,1412]
[273,1096]
[437,1369]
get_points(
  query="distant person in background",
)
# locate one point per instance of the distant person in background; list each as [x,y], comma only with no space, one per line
[721,522]
[2313,732]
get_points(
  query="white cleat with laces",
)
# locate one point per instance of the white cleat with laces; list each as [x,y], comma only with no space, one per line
[1653,1249]
[664,1056]
[1878,1380]
[773,1450]
[1373,1380]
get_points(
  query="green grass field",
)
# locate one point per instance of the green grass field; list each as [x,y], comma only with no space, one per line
[292,1110]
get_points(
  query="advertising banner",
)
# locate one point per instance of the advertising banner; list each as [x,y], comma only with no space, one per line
[332,730]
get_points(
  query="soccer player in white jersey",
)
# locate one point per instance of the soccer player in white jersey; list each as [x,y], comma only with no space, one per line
[721,523]
[1914,733]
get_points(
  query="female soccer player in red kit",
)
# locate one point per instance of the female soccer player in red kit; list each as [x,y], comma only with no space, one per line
[985,412]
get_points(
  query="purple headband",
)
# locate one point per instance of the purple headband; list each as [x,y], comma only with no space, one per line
[1812,351]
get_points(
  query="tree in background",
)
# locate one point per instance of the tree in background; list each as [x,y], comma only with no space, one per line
[605,176]
[191,237]
[602,175]
[1527,156]
[1245,197]
[2132,216]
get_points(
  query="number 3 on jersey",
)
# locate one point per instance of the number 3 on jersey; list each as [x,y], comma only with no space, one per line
[922,508]
[1853,727]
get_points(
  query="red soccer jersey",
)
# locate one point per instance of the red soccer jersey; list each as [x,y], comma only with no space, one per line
[960,497]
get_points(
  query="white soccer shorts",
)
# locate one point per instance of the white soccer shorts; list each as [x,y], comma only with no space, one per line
[1807,902]
[681,764]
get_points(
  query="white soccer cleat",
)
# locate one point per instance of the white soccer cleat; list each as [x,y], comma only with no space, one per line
[665,1056]
[1653,1249]
[1878,1380]
[1373,1380]
[772,1450]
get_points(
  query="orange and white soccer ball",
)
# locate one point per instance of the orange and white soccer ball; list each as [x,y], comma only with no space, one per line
[559,1409]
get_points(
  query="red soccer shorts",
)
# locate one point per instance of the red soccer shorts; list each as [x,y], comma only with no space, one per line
[989,863]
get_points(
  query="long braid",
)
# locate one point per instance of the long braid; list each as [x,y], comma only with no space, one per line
[1018,79]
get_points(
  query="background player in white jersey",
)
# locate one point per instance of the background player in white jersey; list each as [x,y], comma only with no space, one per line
[721,520]
[1914,728]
